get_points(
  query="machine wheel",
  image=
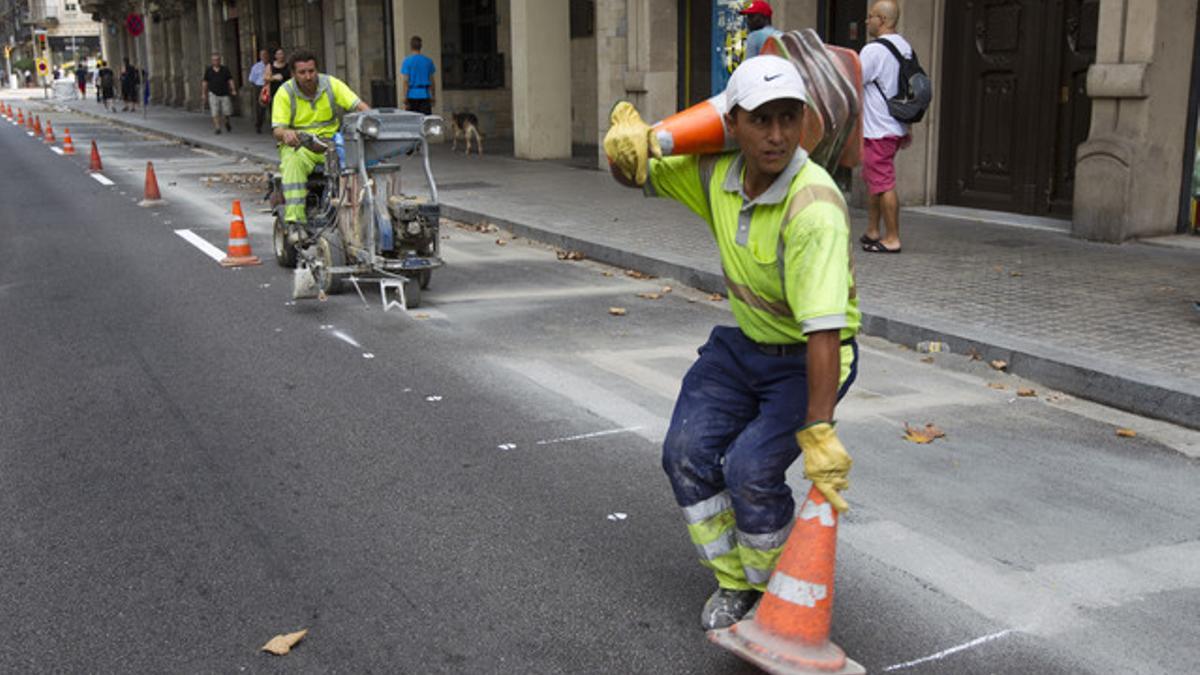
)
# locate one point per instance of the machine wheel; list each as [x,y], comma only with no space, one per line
[412,291]
[423,278]
[285,253]
[331,253]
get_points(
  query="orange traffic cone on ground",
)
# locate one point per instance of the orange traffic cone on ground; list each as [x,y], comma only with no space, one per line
[239,253]
[789,632]
[95,164]
[21,117]
[37,126]
[68,144]
[49,137]
[151,196]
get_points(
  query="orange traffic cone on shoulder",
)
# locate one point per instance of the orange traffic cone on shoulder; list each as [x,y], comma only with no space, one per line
[68,145]
[37,126]
[151,196]
[49,137]
[95,165]
[239,253]
[21,117]
[789,632]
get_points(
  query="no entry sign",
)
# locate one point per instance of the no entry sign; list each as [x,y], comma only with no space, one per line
[134,24]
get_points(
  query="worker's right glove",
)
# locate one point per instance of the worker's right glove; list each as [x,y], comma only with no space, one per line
[630,142]
[826,462]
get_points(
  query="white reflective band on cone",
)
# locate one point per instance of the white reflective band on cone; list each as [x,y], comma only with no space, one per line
[823,513]
[796,591]
[239,242]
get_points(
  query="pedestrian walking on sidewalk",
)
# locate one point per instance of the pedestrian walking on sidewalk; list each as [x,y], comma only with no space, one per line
[278,72]
[258,78]
[763,392]
[217,89]
[106,80]
[81,79]
[131,80]
[883,135]
[416,79]
[758,20]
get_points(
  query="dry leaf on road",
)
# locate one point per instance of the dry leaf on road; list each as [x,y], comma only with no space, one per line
[666,289]
[974,354]
[1015,274]
[569,255]
[638,275]
[716,297]
[997,385]
[501,242]
[927,359]
[924,435]
[282,644]
[616,311]
[607,274]
[999,364]
[1026,391]
[1126,433]
[649,295]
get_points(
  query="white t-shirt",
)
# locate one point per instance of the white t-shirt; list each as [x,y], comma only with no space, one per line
[878,65]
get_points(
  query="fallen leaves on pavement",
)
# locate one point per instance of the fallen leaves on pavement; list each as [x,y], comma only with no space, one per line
[927,359]
[974,354]
[666,289]
[501,242]
[638,275]
[1026,391]
[649,295]
[482,226]
[616,311]
[999,364]
[1126,433]
[569,255]
[716,297]
[924,435]
[282,644]
[997,385]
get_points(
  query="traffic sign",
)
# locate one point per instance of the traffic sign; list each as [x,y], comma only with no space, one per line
[134,24]
[43,68]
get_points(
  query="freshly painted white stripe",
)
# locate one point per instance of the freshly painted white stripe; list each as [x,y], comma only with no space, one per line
[197,241]
[57,151]
[796,591]
[594,434]
[947,652]
[101,179]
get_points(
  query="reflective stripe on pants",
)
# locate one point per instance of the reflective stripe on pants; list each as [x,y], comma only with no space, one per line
[296,164]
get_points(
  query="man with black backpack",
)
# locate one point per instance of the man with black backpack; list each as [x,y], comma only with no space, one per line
[888,107]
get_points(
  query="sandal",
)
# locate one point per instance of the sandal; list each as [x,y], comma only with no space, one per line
[878,247]
[867,240]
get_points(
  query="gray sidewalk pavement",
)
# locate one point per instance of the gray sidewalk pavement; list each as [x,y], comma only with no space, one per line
[1114,324]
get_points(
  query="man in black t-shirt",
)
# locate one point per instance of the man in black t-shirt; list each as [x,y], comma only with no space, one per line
[106,79]
[217,89]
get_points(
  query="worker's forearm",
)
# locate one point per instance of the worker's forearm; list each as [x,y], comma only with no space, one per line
[823,369]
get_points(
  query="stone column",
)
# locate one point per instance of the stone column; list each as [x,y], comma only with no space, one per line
[1128,173]
[414,17]
[353,54]
[179,62]
[193,65]
[541,78]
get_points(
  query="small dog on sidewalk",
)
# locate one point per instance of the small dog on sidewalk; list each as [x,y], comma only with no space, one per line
[466,125]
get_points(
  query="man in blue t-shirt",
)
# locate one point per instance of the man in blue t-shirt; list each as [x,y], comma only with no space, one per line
[416,79]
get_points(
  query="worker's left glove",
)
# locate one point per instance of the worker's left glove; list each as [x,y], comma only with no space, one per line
[630,142]
[826,462]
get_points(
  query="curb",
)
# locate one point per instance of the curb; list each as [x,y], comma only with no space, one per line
[1143,394]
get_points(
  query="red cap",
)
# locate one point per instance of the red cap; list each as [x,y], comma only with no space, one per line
[757,7]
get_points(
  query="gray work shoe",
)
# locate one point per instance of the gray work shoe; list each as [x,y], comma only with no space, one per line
[726,607]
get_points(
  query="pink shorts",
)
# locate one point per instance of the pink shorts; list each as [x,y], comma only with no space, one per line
[879,168]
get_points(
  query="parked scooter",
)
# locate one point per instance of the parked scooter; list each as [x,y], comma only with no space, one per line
[360,224]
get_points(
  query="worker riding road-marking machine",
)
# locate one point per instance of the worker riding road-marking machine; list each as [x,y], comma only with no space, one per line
[360,224]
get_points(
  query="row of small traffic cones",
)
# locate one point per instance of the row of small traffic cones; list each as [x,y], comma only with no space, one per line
[238,253]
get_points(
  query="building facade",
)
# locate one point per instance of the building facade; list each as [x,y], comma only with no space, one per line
[1082,111]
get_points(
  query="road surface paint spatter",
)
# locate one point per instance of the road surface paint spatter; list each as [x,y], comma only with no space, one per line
[594,434]
[947,652]
[617,515]
[346,338]
[507,446]
[433,399]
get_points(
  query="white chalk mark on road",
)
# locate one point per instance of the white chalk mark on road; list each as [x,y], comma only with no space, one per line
[947,652]
[594,434]
[101,179]
[198,241]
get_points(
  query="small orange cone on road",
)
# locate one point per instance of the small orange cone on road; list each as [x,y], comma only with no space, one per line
[37,126]
[151,196]
[68,144]
[239,253]
[95,164]
[49,137]
[789,632]
[21,117]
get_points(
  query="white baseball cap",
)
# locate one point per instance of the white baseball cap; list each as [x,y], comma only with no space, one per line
[762,79]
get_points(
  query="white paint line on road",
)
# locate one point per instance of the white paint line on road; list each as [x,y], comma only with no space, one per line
[594,434]
[197,241]
[947,652]
[57,151]
[101,179]
[346,338]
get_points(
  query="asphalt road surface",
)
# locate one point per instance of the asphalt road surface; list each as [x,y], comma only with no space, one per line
[191,463]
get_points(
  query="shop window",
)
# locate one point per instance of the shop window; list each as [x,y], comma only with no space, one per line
[470,57]
[70,7]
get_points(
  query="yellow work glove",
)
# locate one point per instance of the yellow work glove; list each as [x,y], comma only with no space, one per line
[630,142]
[826,462]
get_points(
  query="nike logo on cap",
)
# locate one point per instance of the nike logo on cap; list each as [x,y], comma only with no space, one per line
[768,78]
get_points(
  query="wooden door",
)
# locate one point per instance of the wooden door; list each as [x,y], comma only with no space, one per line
[1014,104]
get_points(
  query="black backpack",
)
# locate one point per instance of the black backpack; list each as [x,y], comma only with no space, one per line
[914,92]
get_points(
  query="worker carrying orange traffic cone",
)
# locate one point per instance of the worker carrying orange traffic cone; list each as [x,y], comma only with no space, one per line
[94,165]
[68,145]
[789,632]
[49,137]
[238,253]
[151,196]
